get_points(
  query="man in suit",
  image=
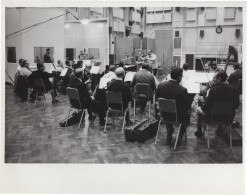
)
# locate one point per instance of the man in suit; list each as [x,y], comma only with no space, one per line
[220,92]
[235,76]
[172,90]
[119,85]
[85,98]
[41,73]
[144,76]
[47,56]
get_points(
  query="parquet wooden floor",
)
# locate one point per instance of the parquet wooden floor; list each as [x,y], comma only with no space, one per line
[33,135]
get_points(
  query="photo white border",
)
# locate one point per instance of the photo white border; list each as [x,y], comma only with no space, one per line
[115,178]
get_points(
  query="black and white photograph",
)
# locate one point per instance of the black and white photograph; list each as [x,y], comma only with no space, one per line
[123,85]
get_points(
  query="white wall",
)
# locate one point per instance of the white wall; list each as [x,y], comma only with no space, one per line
[90,35]
[13,17]
[50,34]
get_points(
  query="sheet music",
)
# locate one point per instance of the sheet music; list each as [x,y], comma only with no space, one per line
[63,73]
[127,66]
[94,70]
[49,67]
[129,76]
[192,88]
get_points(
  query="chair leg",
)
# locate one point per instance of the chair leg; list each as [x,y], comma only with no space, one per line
[81,119]
[67,117]
[149,110]
[44,100]
[176,142]
[124,122]
[157,133]
[230,132]
[36,98]
[106,120]
[207,129]
[134,107]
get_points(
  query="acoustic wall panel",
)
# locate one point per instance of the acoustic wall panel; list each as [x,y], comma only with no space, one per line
[123,46]
[163,47]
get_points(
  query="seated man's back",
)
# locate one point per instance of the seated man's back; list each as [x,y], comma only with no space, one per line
[118,85]
[82,90]
[172,90]
[221,92]
[235,76]
[144,76]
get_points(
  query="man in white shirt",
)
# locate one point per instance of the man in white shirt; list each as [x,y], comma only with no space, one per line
[152,61]
[107,77]
[25,71]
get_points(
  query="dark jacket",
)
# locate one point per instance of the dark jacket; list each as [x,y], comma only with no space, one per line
[45,77]
[66,80]
[172,90]
[234,77]
[144,76]
[124,88]
[47,58]
[82,90]
[221,92]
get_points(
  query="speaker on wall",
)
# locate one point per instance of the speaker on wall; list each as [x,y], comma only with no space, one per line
[141,35]
[176,33]
[110,30]
[127,32]
[177,9]
[112,59]
[237,33]
[201,33]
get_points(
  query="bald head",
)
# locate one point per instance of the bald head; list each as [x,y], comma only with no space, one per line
[120,73]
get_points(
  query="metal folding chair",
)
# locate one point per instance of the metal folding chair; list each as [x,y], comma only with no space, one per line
[115,99]
[75,103]
[141,93]
[220,115]
[40,90]
[168,106]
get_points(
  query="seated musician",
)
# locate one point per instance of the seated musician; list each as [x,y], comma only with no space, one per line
[25,71]
[111,74]
[119,85]
[220,92]
[83,55]
[22,83]
[60,66]
[172,90]
[41,73]
[66,78]
[144,76]
[84,95]
[235,76]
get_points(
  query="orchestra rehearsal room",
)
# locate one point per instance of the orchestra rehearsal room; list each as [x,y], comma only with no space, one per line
[123,85]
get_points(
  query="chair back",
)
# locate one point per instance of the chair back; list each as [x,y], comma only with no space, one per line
[239,86]
[142,91]
[221,112]
[74,98]
[114,100]
[168,110]
[39,85]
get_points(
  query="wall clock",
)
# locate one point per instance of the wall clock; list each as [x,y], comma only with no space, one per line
[218,30]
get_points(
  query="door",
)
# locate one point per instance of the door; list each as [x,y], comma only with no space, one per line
[189,58]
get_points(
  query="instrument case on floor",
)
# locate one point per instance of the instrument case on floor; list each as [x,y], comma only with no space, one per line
[75,118]
[141,131]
